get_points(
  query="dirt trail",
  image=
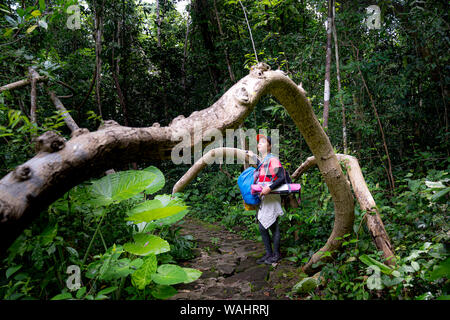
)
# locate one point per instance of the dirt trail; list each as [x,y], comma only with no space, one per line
[229,267]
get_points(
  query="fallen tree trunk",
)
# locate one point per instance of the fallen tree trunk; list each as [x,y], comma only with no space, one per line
[61,165]
[365,200]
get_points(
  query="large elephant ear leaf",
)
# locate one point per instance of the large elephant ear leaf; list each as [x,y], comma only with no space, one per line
[154,210]
[157,183]
[145,244]
[168,201]
[120,186]
[168,274]
[192,274]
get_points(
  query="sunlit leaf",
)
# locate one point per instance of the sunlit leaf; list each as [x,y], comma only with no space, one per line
[145,244]
[168,274]
[157,183]
[371,261]
[192,274]
[31,29]
[152,210]
[119,186]
[143,276]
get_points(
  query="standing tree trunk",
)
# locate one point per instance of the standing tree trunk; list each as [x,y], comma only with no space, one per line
[202,13]
[158,24]
[338,76]
[326,92]
[390,175]
[163,82]
[86,97]
[227,59]
[98,52]
[365,200]
[183,65]
[360,117]
[33,95]
[115,75]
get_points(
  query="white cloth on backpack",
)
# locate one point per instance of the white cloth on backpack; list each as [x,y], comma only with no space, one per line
[269,209]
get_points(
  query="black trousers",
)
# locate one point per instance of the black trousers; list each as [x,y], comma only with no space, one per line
[275,228]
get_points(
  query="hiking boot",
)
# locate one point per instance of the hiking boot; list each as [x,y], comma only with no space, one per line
[264,258]
[273,259]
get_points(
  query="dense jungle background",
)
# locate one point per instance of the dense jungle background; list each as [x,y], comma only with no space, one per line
[139,62]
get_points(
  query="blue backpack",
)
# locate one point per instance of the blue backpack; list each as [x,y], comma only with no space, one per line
[245,181]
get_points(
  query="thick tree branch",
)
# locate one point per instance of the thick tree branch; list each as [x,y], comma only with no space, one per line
[365,200]
[21,83]
[207,159]
[61,165]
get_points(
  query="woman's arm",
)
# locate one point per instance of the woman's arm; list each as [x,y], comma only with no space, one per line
[279,171]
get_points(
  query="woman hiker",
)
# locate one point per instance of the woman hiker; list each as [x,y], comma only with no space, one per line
[271,176]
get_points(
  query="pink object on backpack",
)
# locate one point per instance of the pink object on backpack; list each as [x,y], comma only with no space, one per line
[283,189]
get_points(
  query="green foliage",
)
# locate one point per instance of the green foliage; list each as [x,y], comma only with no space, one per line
[121,186]
[133,263]
[403,64]
[146,244]
[17,131]
[143,276]
[416,223]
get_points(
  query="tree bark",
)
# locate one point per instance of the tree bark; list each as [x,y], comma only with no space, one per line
[115,75]
[227,59]
[71,124]
[22,83]
[163,77]
[33,94]
[365,200]
[207,159]
[326,93]
[61,165]
[183,65]
[202,11]
[98,52]
[338,76]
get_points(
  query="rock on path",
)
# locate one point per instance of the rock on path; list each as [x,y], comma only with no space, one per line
[229,267]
